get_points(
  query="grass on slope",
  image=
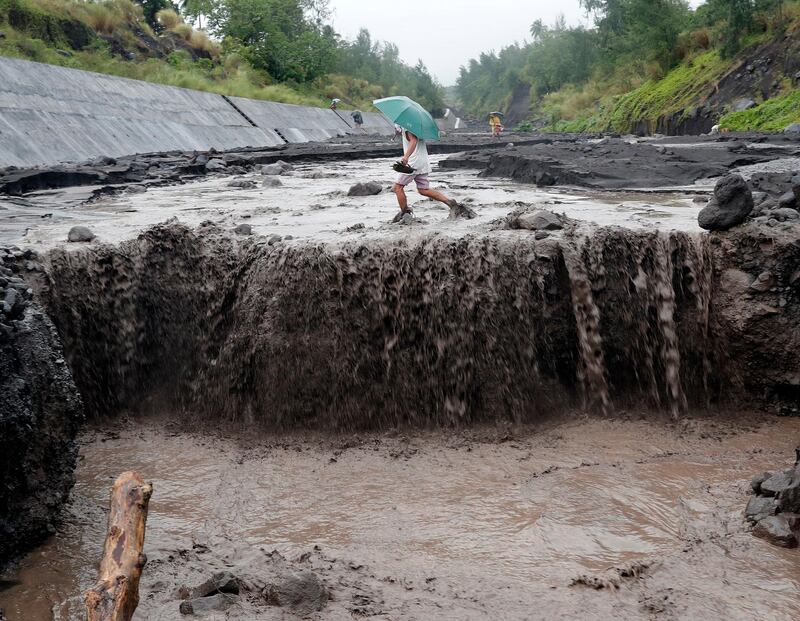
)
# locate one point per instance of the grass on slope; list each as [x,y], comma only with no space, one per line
[76,34]
[674,93]
[772,115]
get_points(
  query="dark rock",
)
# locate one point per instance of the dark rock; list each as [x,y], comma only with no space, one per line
[370,188]
[243,229]
[539,221]
[541,235]
[271,182]
[759,507]
[756,481]
[776,530]
[784,214]
[199,605]
[215,165]
[788,199]
[743,104]
[278,168]
[103,160]
[358,226]
[778,482]
[793,128]
[763,283]
[302,592]
[245,184]
[80,234]
[274,239]
[731,204]
[457,210]
[221,582]
[543,178]
[789,498]
[39,417]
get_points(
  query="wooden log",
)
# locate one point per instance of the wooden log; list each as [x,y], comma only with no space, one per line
[116,594]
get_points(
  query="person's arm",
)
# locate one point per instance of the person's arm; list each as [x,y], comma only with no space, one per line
[412,145]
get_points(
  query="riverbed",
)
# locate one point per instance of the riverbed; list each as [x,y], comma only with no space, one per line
[635,518]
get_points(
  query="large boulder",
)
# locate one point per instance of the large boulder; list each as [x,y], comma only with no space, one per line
[793,128]
[40,412]
[777,530]
[731,204]
[80,234]
[541,220]
[302,592]
[370,188]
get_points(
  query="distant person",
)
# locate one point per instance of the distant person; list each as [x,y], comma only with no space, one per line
[335,103]
[415,155]
[358,119]
[496,125]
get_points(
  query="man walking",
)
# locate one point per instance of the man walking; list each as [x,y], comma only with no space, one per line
[415,155]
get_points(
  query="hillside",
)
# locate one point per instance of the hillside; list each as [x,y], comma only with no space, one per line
[312,65]
[680,75]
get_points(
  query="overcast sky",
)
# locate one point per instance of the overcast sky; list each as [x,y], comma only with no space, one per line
[445,34]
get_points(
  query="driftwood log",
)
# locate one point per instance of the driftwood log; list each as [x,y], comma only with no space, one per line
[116,594]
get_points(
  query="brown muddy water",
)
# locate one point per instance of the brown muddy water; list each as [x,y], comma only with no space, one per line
[489,523]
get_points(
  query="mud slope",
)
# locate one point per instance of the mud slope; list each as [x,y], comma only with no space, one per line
[40,411]
[426,331]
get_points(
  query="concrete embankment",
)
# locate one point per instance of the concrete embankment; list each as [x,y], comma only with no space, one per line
[51,114]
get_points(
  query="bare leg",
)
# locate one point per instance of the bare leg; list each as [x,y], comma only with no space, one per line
[437,196]
[401,196]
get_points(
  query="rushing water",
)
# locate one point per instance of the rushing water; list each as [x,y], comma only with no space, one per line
[526,516]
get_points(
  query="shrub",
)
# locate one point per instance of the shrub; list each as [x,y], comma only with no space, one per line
[184,31]
[101,19]
[168,18]
[702,39]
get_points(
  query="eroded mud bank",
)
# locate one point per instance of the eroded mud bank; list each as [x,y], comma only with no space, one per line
[40,412]
[430,330]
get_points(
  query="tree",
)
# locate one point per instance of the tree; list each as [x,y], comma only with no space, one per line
[151,7]
[277,36]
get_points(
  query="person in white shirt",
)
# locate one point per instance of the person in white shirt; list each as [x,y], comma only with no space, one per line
[415,155]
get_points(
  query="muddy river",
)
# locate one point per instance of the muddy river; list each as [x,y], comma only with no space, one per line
[490,523]
[312,204]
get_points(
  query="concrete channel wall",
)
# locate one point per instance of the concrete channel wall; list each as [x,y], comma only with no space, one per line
[51,114]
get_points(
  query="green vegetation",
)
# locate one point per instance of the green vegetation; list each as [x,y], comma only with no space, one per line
[642,61]
[772,115]
[280,50]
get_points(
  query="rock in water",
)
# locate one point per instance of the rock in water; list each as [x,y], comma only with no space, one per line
[370,188]
[756,481]
[731,204]
[278,168]
[200,605]
[245,184]
[80,234]
[243,229]
[777,531]
[777,483]
[215,165]
[221,582]
[457,210]
[539,221]
[760,507]
[302,592]
[271,182]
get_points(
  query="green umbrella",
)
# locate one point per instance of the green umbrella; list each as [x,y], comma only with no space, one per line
[409,115]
